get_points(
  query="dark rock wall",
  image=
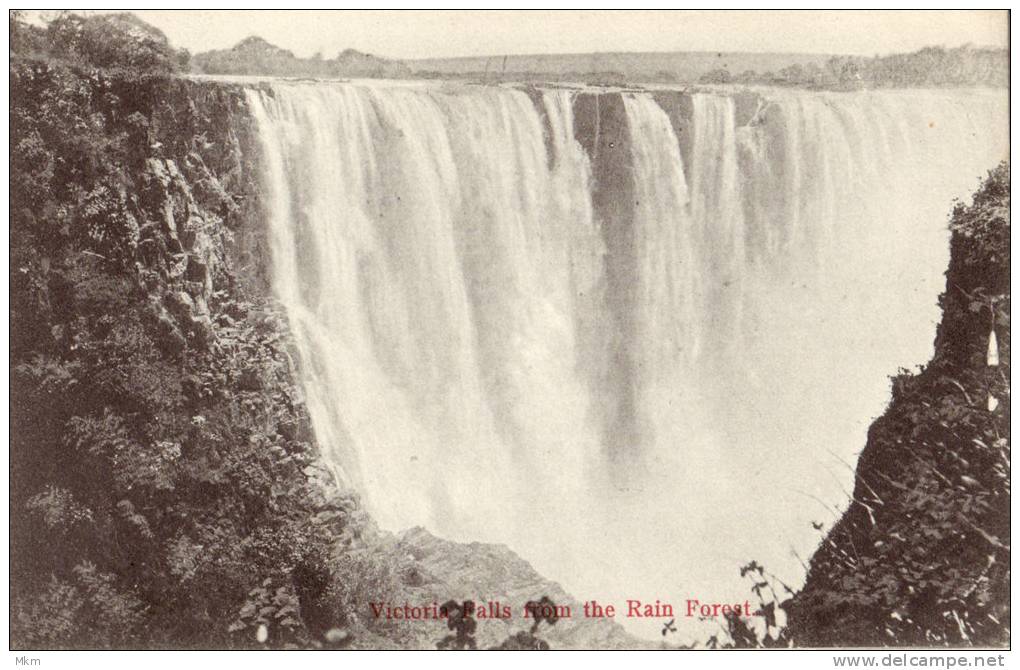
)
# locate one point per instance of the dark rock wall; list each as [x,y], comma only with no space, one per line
[601,127]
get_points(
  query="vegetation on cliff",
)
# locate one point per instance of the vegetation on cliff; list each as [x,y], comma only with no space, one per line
[922,556]
[109,41]
[164,488]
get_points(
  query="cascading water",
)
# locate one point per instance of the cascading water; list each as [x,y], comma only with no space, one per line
[449,281]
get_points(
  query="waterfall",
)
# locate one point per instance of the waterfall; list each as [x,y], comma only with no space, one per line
[443,266]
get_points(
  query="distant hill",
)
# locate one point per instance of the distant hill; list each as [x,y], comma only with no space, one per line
[256,56]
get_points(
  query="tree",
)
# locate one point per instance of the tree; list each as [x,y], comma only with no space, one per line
[719,75]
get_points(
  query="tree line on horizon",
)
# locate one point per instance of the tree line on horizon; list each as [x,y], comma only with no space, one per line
[932,66]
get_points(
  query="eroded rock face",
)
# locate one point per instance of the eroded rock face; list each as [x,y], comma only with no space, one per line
[198,197]
[601,128]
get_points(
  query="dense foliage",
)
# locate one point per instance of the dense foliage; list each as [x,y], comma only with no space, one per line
[164,488]
[110,41]
[922,556]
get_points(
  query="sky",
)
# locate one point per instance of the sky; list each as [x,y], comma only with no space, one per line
[433,34]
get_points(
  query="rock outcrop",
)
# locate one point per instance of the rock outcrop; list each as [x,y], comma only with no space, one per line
[434,571]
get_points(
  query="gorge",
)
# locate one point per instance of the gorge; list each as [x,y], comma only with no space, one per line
[633,334]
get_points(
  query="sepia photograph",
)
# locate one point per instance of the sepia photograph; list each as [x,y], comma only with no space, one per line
[674,330]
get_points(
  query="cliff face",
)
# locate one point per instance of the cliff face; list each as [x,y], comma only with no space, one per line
[921,557]
[602,128]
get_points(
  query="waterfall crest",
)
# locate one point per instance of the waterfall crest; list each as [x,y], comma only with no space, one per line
[449,281]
